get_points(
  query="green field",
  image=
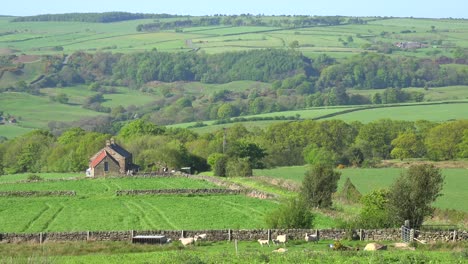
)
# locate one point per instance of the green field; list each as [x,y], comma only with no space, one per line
[96,207]
[367,179]
[36,112]
[40,38]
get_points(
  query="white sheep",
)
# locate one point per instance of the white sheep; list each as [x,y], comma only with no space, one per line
[313,238]
[201,237]
[282,239]
[186,241]
[264,242]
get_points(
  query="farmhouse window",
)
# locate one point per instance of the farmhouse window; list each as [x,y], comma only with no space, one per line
[106,166]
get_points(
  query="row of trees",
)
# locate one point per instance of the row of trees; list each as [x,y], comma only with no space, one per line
[248,20]
[364,71]
[237,150]
[106,17]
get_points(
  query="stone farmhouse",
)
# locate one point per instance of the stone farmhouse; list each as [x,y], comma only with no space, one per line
[111,160]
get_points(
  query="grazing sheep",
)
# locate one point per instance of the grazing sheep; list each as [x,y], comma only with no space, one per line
[313,238]
[282,239]
[280,250]
[186,241]
[264,242]
[201,237]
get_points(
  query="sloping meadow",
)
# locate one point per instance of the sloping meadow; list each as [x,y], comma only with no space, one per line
[96,206]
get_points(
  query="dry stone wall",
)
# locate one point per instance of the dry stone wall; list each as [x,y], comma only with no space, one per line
[229,234]
[177,191]
[36,193]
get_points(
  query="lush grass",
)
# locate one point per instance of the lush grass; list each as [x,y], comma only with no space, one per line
[221,252]
[107,186]
[96,207]
[430,94]
[123,96]
[435,112]
[10,178]
[12,131]
[367,179]
[36,112]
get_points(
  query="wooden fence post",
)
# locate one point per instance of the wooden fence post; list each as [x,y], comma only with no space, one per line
[229,235]
[40,238]
[269,234]
[87,235]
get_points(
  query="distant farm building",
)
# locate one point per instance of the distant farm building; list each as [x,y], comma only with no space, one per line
[111,160]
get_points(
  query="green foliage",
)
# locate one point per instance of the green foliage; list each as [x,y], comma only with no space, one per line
[34,177]
[218,163]
[236,167]
[349,192]
[292,213]
[318,186]
[411,196]
[407,145]
[442,141]
[140,128]
[314,155]
[375,213]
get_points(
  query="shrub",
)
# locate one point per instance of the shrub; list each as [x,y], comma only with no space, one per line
[34,177]
[292,213]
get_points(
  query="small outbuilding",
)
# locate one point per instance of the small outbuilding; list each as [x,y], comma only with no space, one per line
[111,160]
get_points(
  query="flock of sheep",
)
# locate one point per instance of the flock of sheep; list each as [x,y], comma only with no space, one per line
[279,239]
[191,240]
[283,238]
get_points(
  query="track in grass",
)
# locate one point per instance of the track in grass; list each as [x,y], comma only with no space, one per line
[35,218]
[162,215]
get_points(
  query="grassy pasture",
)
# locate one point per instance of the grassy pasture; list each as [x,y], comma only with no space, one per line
[431,94]
[35,111]
[222,252]
[40,37]
[11,178]
[436,112]
[368,179]
[12,131]
[96,200]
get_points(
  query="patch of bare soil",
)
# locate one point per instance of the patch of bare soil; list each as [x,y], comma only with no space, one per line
[27,58]
[7,51]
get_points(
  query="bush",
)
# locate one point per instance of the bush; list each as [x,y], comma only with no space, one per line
[34,177]
[292,213]
[238,167]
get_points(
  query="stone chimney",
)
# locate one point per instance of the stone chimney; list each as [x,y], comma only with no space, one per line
[108,143]
[112,141]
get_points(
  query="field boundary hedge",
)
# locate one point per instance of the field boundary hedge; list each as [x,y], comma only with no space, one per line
[235,234]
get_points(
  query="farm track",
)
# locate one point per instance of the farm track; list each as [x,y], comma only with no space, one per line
[53,218]
[144,215]
[35,218]
[162,215]
[245,207]
[231,206]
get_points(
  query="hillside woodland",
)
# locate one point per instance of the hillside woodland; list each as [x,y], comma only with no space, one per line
[236,151]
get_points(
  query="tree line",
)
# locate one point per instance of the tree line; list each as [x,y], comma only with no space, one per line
[249,20]
[363,71]
[106,17]
[236,150]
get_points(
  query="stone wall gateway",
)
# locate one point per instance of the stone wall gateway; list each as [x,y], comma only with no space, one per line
[230,234]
